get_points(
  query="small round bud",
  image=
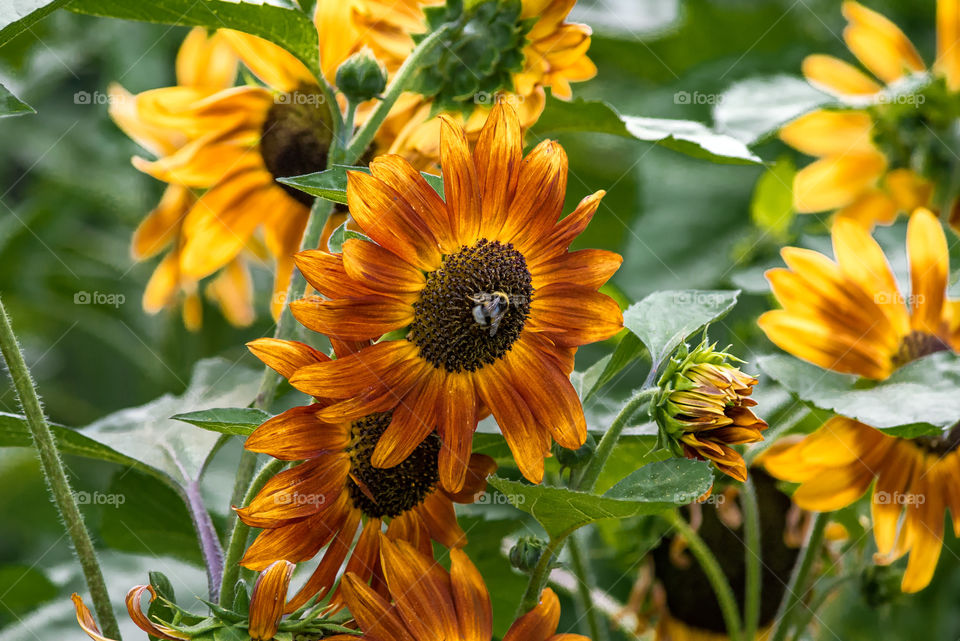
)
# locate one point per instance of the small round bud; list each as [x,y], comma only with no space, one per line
[575,458]
[361,77]
[880,584]
[526,552]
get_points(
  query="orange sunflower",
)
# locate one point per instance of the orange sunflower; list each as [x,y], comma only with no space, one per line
[490,303]
[234,142]
[856,173]
[916,481]
[205,65]
[431,604]
[335,490]
[849,316]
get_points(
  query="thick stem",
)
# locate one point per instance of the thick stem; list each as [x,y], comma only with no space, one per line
[56,477]
[209,543]
[585,582]
[711,567]
[588,480]
[801,572]
[240,533]
[397,86]
[752,559]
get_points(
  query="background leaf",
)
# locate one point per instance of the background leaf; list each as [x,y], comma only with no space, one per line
[17,16]
[10,105]
[240,421]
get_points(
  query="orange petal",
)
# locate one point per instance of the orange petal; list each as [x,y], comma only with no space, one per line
[460,184]
[324,577]
[589,268]
[456,423]
[413,420]
[575,315]
[85,619]
[557,240]
[420,588]
[352,319]
[539,623]
[541,188]
[377,618]
[471,598]
[297,435]
[285,357]
[326,273]
[411,185]
[268,598]
[379,269]
[301,491]
[498,155]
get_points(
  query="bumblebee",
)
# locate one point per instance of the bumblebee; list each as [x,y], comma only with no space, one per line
[490,309]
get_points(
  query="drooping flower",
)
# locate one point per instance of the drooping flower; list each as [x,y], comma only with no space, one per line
[849,315]
[703,408]
[430,604]
[335,491]
[490,302]
[914,482]
[877,158]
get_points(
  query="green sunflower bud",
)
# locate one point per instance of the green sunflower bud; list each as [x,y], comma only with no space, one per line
[526,552]
[361,77]
[483,48]
[703,407]
[575,458]
[880,584]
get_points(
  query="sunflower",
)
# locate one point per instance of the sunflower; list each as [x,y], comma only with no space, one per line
[864,168]
[205,65]
[704,408]
[555,55]
[849,316]
[234,142]
[431,604]
[485,303]
[266,608]
[916,480]
[335,491]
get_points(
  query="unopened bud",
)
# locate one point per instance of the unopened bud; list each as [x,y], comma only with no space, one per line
[361,77]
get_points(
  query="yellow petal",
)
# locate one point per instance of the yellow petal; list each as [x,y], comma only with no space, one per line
[879,44]
[828,133]
[871,207]
[908,189]
[836,76]
[206,61]
[275,66]
[948,42]
[232,290]
[929,267]
[836,181]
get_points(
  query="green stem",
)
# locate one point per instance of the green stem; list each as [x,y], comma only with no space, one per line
[711,567]
[588,480]
[345,132]
[240,533]
[56,477]
[801,572]
[752,554]
[538,578]
[245,469]
[397,86]
[585,582]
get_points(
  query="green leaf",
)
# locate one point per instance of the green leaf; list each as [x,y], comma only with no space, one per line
[240,421]
[685,136]
[10,105]
[628,349]
[19,15]
[918,399]
[772,205]
[23,589]
[341,235]
[664,319]
[753,109]
[145,516]
[331,184]
[285,26]
[653,488]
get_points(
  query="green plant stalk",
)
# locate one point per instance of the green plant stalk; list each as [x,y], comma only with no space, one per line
[56,477]
[240,533]
[801,572]
[588,480]
[538,578]
[401,79]
[585,582]
[718,581]
[752,559]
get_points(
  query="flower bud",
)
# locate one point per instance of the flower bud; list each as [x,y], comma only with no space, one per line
[575,458]
[526,552]
[361,77]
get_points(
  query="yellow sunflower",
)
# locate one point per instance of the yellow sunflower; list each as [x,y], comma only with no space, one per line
[234,142]
[266,608]
[856,173]
[554,56]
[849,316]
[490,303]
[205,65]
[431,604]
[335,490]
[916,481]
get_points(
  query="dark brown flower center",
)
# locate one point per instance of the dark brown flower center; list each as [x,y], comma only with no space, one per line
[380,492]
[473,307]
[942,444]
[916,345]
[296,136]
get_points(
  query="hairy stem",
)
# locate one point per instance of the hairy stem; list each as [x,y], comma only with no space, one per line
[209,543]
[56,477]
[711,567]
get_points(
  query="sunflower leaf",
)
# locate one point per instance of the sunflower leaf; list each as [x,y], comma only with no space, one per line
[341,235]
[596,377]
[239,421]
[17,17]
[918,399]
[664,319]
[331,184]
[10,105]
[285,26]
[685,136]
[653,488]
